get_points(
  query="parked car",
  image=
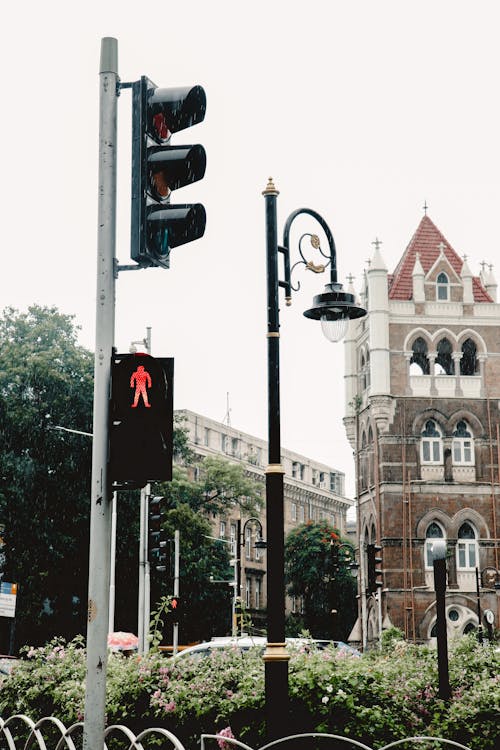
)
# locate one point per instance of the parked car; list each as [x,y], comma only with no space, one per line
[245,643]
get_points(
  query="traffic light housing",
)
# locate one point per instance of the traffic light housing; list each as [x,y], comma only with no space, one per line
[141,419]
[158,168]
[373,571]
[157,540]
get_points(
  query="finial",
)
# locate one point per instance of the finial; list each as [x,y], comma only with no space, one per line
[377,243]
[350,278]
[442,247]
[464,256]
[490,266]
[368,261]
[483,264]
[270,188]
[425,207]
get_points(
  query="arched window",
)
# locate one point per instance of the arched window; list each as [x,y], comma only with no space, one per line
[419,362]
[463,445]
[442,287]
[469,364]
[431,447]
[467,557]
[363,371]
[368,379]
[434,531]
[444,364]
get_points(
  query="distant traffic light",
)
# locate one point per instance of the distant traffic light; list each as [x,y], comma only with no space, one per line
[373,572]
[159,168]
[157,541]
[141,416]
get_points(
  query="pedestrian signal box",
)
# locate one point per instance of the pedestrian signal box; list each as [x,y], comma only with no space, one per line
[141,419]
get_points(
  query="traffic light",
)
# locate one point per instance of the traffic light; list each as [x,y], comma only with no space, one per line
[141,419]
[158,168]
[157,541]
[373,571]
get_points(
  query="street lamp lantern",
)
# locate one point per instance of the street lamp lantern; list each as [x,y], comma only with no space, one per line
[334,308]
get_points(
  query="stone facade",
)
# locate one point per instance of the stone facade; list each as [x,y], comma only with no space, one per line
[423,416]
[312,491]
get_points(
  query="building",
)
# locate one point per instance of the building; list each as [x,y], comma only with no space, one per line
[312,491]
[422,415]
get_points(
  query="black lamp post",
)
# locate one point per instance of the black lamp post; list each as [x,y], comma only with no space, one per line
[334,308]
[260,543]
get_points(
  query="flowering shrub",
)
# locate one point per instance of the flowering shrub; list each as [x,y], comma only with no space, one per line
[376,698]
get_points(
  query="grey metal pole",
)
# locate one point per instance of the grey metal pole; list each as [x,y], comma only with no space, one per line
[175,633]
[100,509]
[147,570]
[112,586]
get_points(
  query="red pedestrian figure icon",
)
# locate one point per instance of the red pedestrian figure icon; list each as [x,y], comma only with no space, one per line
[141,380]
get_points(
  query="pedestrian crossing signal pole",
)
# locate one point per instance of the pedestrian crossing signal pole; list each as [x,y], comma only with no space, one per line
[101,493]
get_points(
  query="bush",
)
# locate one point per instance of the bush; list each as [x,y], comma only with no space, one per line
[375,698]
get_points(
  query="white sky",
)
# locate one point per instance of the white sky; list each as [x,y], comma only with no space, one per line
[360,110]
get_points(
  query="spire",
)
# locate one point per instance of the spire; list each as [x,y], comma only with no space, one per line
[377,263]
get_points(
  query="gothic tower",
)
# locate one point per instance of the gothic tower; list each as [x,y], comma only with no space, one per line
[422,415]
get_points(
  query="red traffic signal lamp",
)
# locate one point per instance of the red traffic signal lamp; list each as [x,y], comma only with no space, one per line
[373,572]
[141,419]
[159,168]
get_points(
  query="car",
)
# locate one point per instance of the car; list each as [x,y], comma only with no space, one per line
[245,643]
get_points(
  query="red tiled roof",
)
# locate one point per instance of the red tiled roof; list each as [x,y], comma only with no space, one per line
[425,242]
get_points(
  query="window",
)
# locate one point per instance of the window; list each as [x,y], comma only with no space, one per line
[431,446]
[444,364]
[469,364]
[258,592]
[248,593]
[225,443]
[442,288]
[222,529]
[301,513]
[235,447]
[463,445]
[206,439]
[293,511]
[232,537]
[419,362]
[434,531]
[467,547]
[248,543]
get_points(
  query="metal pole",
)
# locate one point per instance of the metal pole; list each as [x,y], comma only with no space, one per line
[143,606]
[276,656]
[439,563]
[100,509]
[177,555]
[238,590]
[479,619]
[147,575]
[112,587]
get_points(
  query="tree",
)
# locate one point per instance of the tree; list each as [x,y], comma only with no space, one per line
[211,486]
[316,569]
[45,382]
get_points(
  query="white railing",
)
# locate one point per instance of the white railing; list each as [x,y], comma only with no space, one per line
[21,733]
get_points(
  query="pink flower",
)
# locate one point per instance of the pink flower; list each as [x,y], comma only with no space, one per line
[227,732]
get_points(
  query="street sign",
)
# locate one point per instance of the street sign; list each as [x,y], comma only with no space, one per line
[8,594]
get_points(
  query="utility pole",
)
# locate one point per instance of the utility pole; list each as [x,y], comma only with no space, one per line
[144,603]
[175,632]
[100,509]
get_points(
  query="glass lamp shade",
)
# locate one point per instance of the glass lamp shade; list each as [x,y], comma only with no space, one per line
[334,330]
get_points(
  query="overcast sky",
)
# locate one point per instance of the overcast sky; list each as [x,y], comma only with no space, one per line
[360,110]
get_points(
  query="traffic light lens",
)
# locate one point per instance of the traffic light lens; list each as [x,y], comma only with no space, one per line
[160,127]
[173,168]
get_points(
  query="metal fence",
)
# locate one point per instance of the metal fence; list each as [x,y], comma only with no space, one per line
[19,732]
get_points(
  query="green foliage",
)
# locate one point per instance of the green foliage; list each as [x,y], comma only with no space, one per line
[316,569]
[46,380]
[390,637]
[205,608]
[374,699]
